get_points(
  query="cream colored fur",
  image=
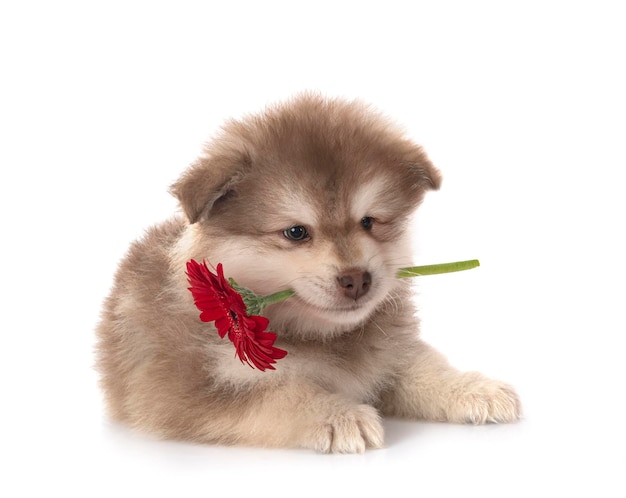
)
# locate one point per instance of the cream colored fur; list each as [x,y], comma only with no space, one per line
[324,165]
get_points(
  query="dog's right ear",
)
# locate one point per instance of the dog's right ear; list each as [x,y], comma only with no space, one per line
[206,181]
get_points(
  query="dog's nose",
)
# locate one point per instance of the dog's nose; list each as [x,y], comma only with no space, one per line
[355,283]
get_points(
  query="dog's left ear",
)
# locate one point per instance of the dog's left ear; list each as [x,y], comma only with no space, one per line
[431,176]
[426,176]
[208,180]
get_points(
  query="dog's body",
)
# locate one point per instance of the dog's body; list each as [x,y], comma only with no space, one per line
[315,196]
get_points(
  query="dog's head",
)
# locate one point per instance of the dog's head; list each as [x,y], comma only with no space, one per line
[312,195]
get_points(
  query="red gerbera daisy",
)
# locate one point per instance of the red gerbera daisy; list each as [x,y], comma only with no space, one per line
[219,302]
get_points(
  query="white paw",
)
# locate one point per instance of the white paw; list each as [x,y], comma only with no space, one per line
[348,430]
[480,400]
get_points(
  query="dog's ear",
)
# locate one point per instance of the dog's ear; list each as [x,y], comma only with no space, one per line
[206,181]
[426,176]
[429,175]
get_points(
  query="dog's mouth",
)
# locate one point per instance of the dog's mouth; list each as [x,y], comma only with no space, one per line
[339,308]
[321,304]
[340,311]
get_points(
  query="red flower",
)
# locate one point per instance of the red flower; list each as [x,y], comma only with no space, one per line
[219,302]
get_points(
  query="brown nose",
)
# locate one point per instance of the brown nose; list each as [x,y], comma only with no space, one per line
[355,283]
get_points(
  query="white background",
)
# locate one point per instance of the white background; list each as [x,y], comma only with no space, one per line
[520,104]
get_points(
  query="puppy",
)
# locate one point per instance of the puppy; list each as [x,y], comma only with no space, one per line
[312,195]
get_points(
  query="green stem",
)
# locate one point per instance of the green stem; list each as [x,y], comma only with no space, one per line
[255,303]
[277,297]
[418,271]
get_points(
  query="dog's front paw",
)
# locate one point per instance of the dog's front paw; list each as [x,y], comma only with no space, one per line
[347,430]
[480,400]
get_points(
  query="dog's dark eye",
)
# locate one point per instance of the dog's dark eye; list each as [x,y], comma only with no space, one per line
[296,233]
[367,222]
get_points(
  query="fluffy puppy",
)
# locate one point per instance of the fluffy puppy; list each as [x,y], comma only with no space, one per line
[312,195]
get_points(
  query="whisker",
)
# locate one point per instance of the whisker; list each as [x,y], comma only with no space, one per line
[379,328]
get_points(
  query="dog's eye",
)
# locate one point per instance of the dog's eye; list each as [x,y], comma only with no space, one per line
[367,222]
[296,233]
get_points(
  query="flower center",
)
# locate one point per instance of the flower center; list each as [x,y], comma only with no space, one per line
[234,322]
